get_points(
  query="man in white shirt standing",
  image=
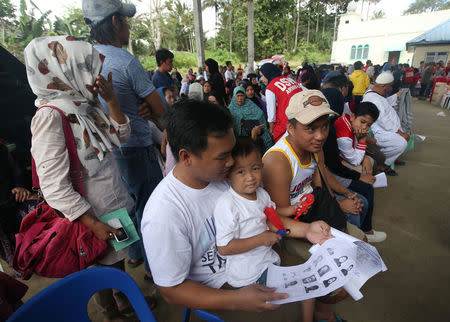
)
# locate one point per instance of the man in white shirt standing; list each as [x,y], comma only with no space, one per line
[387,129]
[179,231]
[229,74]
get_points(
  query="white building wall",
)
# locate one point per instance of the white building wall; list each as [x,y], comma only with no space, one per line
[382,35]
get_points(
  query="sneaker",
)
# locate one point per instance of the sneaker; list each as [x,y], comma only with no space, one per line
[376,237]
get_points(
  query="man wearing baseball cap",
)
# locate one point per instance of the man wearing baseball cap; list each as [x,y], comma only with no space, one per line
[387,129]
[110,31]
[290,167]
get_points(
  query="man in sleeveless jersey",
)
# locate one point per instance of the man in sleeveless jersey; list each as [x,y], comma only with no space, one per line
[290,167]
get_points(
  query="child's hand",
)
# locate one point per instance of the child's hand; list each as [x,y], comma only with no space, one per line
[268,238]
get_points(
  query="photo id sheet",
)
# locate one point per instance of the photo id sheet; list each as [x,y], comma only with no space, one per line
[342,261]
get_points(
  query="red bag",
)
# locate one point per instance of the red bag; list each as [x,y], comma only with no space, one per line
[49,244]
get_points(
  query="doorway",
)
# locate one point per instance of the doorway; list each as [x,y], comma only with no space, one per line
[393,57]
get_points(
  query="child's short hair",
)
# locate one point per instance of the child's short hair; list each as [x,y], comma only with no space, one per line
[367,108]
[244,146]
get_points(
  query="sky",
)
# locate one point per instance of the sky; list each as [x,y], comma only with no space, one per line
[390,7]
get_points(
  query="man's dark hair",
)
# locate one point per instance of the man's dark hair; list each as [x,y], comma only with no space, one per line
[228,63]
[367,108]
[104,32]
[162,55]
[422,62]
[406,65]
[338,81]
[358,65]
[244,146]
[190,122]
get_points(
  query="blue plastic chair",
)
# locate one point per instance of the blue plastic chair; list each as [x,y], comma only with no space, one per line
[67,299]
[201,314]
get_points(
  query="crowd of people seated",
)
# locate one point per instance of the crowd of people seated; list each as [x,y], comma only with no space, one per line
[195,160]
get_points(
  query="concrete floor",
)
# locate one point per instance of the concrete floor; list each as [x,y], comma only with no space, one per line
[413,211]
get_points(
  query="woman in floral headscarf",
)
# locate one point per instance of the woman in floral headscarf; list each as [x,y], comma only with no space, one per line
[64,72]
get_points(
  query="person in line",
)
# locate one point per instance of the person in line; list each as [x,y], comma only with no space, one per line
[387,130]
[247,116]
[58,75]
[279,91]
[179,220]
[229,74]
[216,80]
[335,90]
[360,81]
[161,77]
[243,236]
[207,89]
[352,132]
[251,95]
[136,158]
[290,166]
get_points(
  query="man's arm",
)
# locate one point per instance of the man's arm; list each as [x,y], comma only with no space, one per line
[271,103]
[152,107]
[194,295]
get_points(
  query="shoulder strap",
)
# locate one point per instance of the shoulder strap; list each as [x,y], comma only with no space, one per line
[324,181]
[75,167]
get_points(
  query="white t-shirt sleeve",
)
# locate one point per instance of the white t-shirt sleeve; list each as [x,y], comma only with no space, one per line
[226,220]
[167,246]
[265,198]
[271,102]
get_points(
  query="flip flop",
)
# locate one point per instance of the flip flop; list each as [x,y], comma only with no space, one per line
[338,319]
[135,264]
[399,162]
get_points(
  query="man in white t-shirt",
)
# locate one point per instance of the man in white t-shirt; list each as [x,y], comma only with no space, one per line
[229,74]
[178,226]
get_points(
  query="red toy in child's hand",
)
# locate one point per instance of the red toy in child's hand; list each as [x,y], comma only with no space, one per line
[306,201]
[272,215]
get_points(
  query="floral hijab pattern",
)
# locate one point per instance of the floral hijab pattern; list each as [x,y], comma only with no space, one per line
[61,71]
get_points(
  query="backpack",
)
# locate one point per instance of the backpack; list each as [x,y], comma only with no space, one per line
[50,244]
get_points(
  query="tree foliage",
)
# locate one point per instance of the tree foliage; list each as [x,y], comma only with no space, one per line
[420,6]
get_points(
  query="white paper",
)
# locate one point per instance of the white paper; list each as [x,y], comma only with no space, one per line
[380,180]
[342,261]
[441,114]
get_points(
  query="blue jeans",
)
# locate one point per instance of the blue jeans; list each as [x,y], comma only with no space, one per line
[141,174]
[356,220]
[366,190]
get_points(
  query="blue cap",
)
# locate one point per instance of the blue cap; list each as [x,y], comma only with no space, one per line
[330,75]
[97,10]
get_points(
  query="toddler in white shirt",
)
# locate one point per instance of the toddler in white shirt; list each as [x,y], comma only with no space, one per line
[242,233]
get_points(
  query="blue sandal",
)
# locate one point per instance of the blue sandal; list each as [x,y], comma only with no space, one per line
[338,319]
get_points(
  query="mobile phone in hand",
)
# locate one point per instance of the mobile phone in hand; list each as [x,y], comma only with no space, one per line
[116,224]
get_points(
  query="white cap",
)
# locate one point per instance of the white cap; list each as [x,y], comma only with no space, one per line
[385,78]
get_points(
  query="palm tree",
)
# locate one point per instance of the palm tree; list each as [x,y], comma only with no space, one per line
[198,25]
[251,35]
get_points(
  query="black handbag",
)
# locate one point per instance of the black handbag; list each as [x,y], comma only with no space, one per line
[325,207]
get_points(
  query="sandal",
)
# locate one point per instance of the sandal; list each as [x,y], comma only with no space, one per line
[338,319]
[134,264]
[128,308]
